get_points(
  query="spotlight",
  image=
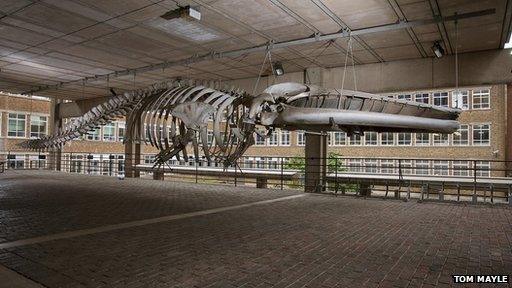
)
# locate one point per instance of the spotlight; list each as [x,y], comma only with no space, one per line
[438,49]
[278,68]
[183,12]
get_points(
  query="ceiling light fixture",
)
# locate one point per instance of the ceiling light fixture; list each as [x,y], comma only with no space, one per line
[278,68]
[183,12]
[438,49]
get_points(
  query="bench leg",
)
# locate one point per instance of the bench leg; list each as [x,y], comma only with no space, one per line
[261,182]
[158,175]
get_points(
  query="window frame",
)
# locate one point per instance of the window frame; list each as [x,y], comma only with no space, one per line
[88,134]
[479,94]
[17,120]
[341,141]
[393,139]
[301,138]
[285,135]
[403,134]
[468,138]
[440,144]
[473,134]
[371,142]
[454,97]
[421,144]
[442,96]
[422,94]
[113,137]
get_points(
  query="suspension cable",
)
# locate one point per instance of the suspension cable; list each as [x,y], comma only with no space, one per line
[344,70]
[261,70]
[457,61]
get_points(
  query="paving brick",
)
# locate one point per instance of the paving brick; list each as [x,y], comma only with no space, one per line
[313,241]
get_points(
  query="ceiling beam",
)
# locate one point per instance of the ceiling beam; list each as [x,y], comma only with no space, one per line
[271,45]
[401,17]
[436,12]
[343,25]
[310,26]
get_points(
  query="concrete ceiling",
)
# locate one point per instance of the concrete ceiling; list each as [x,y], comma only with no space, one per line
[51,41]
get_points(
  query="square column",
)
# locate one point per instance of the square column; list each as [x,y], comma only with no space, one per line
[54,125]
[316,162]
[316,144]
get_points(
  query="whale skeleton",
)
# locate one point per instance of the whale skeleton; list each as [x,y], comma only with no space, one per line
[221,123]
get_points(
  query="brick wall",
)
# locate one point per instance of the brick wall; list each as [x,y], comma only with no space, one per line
[496,116]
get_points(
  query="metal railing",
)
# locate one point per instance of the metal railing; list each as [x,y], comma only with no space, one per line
[473,180]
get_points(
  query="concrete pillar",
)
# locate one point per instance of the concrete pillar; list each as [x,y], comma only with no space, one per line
[316,162]
[316,144]
[54,125]
[131,152]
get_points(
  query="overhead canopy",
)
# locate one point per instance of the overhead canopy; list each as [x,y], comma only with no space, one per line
[56,41]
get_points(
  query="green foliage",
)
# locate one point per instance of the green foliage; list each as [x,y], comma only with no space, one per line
[334,162]
[296,163]
[299,163]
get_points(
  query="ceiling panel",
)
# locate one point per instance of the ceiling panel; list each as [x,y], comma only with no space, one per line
[46,41]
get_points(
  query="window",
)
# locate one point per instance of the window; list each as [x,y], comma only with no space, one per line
[301,138]
[481,99]
[109,132]
[75,165]
[404,139]
[483,169]
[260,140]
[441,168]
[260,162]
[460,168]
[38,126]
[16,161]
[354,165]
[147,132]
[461,137]
[406,97]
[120,131]
[149,159]
[422,98]
[441,140]
[387,139]
[460,99]
[273,140]
[387,166]
[370,138]
[422,139]
[481,134]
[93,135]
[355,140]
[406,167]
[339,139]
[441,99]
[17,124]
[285,138]
[370,165]
[209,138]
[422,167]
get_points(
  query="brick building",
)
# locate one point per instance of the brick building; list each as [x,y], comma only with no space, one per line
[481,138]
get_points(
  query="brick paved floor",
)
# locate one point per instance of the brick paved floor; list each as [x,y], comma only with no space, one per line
[312,241]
